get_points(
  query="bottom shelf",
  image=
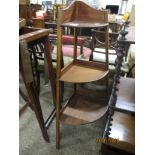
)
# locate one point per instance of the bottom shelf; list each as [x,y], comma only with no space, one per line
[81,109]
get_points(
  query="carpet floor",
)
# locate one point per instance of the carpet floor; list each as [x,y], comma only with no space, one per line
[75,140]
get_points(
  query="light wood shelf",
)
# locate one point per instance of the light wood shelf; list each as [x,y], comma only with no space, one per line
[81,71]
[81,109]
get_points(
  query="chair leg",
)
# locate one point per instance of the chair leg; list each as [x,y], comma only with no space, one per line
[23,109]
[26,99]
[38,82]
[37,109]
[58,114]
[41,122]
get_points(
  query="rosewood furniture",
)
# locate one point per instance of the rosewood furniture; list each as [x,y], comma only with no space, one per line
[80,108]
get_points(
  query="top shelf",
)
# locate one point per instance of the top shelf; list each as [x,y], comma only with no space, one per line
[80,15]
[83,24]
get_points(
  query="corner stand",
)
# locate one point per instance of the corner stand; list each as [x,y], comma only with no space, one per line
[80,109]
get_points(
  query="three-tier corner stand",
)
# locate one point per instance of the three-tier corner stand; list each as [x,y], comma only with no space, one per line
[80,109]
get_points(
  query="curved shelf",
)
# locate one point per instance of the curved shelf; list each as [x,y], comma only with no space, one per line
[82,110]
[83,24]
[81,71]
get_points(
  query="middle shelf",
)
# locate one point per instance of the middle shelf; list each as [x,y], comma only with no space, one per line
[80,71]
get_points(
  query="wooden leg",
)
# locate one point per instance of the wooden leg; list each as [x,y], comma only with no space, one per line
[23,109]
[38,82]
[36,72]
[25,98]
[107,87]
[58,114]
[30,84]
[59,65]
[49,68]
[46,74]
[37,109]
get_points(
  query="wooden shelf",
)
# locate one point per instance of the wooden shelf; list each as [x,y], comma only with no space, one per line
[80,71]
[82,109]
[83,24]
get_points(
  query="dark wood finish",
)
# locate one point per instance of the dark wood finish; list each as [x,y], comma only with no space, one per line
[32,38]
[121,124]
[34,35]
[126,95]
[27,29]
[24,11]
[120,54]
[122,128]
[27,75]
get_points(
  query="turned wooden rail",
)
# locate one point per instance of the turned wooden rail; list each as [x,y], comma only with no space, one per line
[120,120]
